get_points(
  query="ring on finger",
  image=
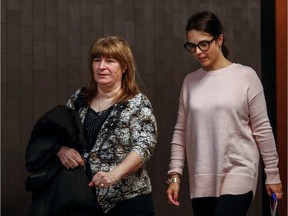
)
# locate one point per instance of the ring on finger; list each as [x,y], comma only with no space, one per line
[102,185]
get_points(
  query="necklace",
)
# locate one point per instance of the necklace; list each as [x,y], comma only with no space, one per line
[108,104]
[103,103]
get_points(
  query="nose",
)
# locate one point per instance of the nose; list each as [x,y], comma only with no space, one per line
[198,50]
[102,63]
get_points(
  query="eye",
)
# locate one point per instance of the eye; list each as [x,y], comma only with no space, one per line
[96,59]
[111,60]
[190,45]
[203,44]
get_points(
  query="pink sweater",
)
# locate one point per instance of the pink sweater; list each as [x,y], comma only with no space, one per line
[221,126]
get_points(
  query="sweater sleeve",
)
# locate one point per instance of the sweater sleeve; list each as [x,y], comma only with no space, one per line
[262,130]
[144,130]
[177,158]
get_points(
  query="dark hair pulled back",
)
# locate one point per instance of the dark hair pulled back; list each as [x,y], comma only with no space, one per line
[209,23]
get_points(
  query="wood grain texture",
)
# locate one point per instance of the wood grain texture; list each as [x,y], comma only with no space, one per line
[281,70]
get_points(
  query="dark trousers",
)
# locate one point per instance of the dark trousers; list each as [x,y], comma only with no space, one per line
[137,206]
[225,205]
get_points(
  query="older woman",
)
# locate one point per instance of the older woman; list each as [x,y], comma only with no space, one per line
[120,131]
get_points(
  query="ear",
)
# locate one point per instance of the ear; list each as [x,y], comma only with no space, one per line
[124,68]
[220,39]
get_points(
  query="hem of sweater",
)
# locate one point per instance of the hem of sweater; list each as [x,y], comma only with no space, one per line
[206,185]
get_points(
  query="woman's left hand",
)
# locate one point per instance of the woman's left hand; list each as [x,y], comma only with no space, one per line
[131,164]
[275,188]
[103,179]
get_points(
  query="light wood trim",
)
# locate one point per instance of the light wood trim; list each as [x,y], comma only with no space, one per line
[281,96]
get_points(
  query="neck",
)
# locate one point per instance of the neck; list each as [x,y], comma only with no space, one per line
[219,64]
[105,98]
[106,93]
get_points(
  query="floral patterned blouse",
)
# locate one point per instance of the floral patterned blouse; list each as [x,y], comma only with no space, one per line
[130,126]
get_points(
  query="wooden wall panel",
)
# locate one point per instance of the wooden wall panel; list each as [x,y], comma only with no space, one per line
[44,52]
[281,80]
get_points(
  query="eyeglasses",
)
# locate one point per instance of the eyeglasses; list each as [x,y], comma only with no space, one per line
[203,45]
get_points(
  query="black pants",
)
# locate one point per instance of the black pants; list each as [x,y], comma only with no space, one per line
[225,205]
[137,206]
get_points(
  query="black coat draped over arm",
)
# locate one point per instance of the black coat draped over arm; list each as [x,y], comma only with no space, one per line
[55,189]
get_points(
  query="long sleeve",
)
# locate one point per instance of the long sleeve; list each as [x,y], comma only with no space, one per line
[177,158]
[263,133]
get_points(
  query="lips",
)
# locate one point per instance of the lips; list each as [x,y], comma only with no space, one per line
[102,75]
[202,59]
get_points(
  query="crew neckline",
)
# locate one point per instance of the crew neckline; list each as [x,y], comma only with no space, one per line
[218,71]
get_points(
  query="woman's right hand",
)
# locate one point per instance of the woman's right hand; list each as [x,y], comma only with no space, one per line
[70,158]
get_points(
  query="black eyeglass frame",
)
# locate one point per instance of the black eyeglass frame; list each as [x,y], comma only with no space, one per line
[188,44]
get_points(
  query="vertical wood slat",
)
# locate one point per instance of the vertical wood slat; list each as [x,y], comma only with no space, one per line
[15,158]
[4,161]
[26,12]
[4,110]
[281,80]
[13,107]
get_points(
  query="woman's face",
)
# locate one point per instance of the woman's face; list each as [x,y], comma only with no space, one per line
[107,72]
[208,59]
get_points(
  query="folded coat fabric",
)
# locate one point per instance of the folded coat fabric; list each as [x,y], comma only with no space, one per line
[55,190]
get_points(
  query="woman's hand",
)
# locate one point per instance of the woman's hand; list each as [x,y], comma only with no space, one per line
[128,166]
[275,188]
[172,194]
[70,158]
[104,179]
[173,191]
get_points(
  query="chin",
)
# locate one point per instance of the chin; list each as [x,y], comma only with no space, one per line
[205,64]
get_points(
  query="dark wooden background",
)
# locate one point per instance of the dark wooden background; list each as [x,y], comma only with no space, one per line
[44,50]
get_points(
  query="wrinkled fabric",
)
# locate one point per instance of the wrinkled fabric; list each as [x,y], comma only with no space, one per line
[55,190]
